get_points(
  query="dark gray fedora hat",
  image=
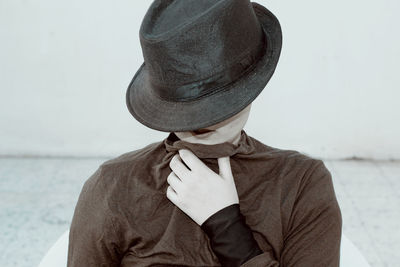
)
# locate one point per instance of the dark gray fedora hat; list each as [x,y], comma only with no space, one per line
[204,61]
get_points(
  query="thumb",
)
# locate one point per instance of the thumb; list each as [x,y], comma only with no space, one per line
[224,165]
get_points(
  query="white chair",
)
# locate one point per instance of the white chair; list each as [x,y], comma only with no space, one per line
[350,256]
[56,256]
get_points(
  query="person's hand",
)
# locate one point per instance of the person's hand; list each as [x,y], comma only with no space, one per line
[199,191]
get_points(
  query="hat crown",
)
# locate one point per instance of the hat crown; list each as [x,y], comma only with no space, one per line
[166,16]
[191,47]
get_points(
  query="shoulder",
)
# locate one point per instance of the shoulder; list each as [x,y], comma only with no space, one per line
[136,159]
[299,172]
[287,160]
[113,172]
[135,156]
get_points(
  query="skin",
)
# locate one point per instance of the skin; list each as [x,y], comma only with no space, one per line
[197,190]
[225,131]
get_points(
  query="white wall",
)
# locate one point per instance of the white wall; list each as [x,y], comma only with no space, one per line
[65,66]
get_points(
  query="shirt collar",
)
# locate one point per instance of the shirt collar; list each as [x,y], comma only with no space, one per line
[245,146]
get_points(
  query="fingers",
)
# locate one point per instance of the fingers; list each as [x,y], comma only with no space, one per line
[174,182]
[172,195]
[225,167]
[191,160]
[178,167]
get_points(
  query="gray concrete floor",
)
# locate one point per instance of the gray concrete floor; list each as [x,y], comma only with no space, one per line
[38,196]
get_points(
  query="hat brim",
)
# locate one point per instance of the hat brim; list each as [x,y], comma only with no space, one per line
[159,114]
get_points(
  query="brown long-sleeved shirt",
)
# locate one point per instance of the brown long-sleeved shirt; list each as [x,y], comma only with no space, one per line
[123,217]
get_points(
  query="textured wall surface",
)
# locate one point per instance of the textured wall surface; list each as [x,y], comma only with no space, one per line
[65,66]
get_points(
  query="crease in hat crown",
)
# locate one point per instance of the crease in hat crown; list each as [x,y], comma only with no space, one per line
[148,18]
[188,57]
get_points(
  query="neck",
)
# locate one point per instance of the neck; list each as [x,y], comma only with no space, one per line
[211,138]
[245,146]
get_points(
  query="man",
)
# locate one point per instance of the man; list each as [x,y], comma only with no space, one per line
[208,194]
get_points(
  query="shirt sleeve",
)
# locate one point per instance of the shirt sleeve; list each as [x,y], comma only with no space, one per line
[315,227]
[231,238]
[93,240]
